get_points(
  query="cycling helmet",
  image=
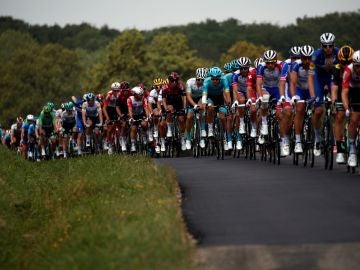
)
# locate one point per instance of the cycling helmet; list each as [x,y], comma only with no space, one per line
[51,105]
[158,82]
[19,119]
[258,61]
[295,51]
[84,97]
[227,67]
[235,64]
[90,96]
[215,72]
[201,73]
[30,117]
[174,76]
[124,85]
[69,105]
[62,106]
[270,55]
[244,62]
[137,91]
[307,50]
[327,38]
[345,54]
[115,86]
[166,81]
[100,97]
[47,109]
[356,57]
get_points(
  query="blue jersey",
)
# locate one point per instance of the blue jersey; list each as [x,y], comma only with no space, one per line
[215,90]
[229,78]
[240,80]
[302,73]
[319,61]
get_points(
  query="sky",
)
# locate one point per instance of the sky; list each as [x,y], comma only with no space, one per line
[150,14]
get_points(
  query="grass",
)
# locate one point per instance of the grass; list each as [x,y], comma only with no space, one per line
[96,212]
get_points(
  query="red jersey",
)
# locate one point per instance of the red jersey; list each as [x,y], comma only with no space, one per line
[251,81]
[111,99]
[350,78]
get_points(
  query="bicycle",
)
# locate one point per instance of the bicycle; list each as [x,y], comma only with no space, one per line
[173,143]
[307,138]
[327,135]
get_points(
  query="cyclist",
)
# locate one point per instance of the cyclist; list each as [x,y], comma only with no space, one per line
[67,126]
[155,109]
[193,96]
[122,100]
[216,92]
[27,134]
[299,91]
[174,101]
[93,118]
[112,113]
[47,126]
[323,61]
[240,94]
[138,110]
[351,101]
[79,122]
[269,75]
[345,55]
[15,133]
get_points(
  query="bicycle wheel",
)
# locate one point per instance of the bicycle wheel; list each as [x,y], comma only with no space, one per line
[328,144]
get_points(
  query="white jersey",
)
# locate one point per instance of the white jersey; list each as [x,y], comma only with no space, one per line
[193,89]
[153,97]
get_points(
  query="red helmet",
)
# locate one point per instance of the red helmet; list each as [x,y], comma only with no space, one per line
[124,85]
[100,97]
[174,76]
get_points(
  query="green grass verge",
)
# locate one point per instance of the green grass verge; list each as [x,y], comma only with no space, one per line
[96,212]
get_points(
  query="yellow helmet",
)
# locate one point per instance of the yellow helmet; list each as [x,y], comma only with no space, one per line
[158,81]
[166,81]
[345,53]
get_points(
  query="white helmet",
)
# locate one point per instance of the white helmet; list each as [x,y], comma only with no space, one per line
[270,55]
[258,61]
[201,73]
[115,86]
[244,62]
[356,57]
[307,50]
[137,90]
[30,117]
[327,38]
[295,51]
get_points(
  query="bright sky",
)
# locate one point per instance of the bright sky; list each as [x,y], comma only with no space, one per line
[149,14]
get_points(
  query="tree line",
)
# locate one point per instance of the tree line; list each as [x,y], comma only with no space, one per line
[40,62]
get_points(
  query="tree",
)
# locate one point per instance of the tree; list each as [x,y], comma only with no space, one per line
[170,52]
[243,48]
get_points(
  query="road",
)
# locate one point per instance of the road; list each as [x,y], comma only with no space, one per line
[237,208]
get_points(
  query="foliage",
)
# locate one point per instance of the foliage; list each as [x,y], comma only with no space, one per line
[243,48]
[98,212]
[31,75]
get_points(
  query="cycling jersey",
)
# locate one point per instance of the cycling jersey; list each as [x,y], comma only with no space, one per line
[193,89]
[239,80]
[68,119]
[91,111]
[229,78]
[351,79]
[272,77]
[47,120]
[138,106]
[29,130]
[209,89]
[122,101]
[251,82]
[153,98]
[174,94]
[111,99]
[302,88]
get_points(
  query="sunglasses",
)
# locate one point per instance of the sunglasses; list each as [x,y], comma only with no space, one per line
[328,45]
[199,80]
[172,80]
[271,62]
[243,68]
[215,78]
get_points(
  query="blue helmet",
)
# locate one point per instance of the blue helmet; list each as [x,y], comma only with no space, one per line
[228,67]
[215,72]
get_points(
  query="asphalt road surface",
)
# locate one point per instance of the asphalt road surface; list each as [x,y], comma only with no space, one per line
[248,214]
